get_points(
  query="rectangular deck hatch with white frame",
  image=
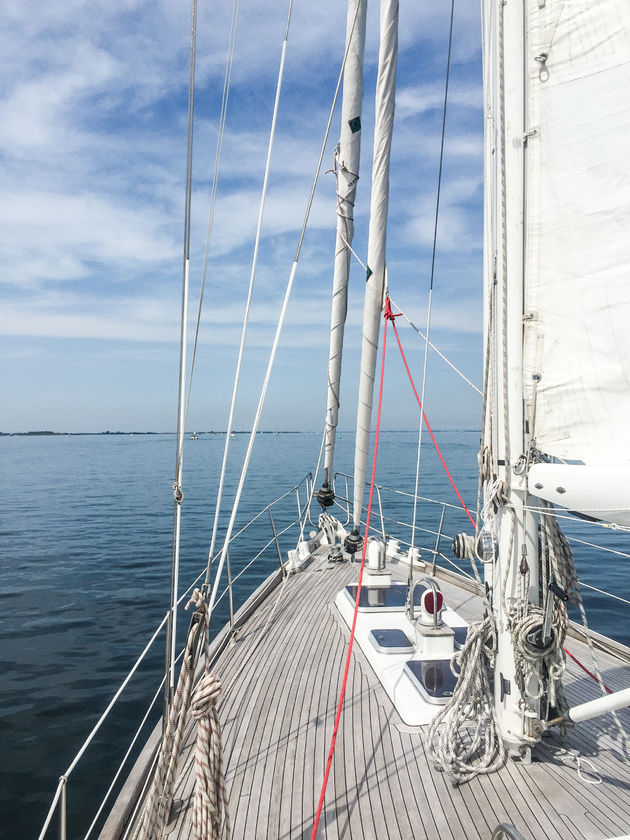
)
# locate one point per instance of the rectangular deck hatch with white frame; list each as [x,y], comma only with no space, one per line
[383,598]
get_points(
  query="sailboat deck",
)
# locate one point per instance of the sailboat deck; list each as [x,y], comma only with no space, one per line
[281,679]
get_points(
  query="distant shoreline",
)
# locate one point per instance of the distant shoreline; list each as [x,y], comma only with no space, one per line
[127,434]
[46,433]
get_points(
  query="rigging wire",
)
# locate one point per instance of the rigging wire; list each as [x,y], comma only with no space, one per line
[436,350]
[430,302]
[169,663]
[274,348]
[603,591]
[599,547]
[423,418]
[591,522]
[229,61]
[250,291]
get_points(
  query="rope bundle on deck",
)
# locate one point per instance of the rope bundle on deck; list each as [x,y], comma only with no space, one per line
[463,737]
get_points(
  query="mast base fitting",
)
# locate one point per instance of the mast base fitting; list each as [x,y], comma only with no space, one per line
[325,496]
[538,641]
[353,542]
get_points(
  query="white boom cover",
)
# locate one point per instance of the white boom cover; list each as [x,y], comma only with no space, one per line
[577,223]
[375,286]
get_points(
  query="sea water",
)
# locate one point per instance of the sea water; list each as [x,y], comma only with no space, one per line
[86,535]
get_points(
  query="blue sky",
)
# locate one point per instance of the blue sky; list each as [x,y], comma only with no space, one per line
[92,150]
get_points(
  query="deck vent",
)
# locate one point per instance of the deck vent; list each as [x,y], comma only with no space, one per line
[433,602]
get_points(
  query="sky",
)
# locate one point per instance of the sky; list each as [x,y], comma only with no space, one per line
[93,121]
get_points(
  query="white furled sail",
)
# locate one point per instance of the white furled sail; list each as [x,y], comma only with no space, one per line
[576,365]
[375,286]
[347,171]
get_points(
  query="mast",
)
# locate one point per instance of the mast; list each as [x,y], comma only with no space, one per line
[376,279]
[347,158]
[509,531]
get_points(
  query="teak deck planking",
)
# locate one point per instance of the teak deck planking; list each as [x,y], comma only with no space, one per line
[281,677]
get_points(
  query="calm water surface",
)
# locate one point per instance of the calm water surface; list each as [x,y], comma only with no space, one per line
[86,530]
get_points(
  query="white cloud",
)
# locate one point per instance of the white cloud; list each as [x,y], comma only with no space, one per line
[415,101]
[62,236]
[37,110]
[92,138]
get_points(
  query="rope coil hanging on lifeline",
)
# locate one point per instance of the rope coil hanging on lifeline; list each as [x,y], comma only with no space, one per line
[210,815]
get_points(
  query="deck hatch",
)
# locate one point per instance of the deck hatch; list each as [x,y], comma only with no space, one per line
[384,598]
[460,636]
[433,678]
[390,640]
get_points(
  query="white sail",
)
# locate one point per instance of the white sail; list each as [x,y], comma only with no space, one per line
[577,221]
[375,286]
[347,169]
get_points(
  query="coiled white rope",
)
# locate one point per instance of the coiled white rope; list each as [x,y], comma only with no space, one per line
[563,566]
[529,658]
[210,812]
[210,807]
[463,738]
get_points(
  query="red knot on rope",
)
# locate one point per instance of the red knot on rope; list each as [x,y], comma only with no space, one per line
[387,311]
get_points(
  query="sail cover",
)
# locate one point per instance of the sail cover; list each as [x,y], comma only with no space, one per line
[577,222]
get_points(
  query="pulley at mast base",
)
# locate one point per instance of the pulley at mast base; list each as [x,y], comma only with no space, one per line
[325,496]
[353,542]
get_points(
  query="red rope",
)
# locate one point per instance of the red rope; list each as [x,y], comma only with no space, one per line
[586,671]
[389,314]
[356,603]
